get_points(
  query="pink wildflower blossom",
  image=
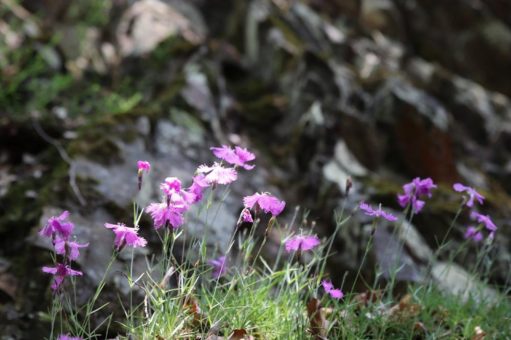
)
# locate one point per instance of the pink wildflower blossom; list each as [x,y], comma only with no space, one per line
[163,213]
[125,236]
[197,187]
[69,249]
[143,166]
[472,194]
[57,226]
[302,242]
[217,174]
[413,191]
[474,234]
[246,216]
[266,202]
[171,187]
[237,156]
[368,210]
[60,272]
[485,220]
[329,288]
[219,266]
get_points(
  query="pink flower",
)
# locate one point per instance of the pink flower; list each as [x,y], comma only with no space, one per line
[171,187]
[474,234]
[485,220]
[163,213]
[125,236]
[143,166]
[238,156]
[413,191]
[68,337]
[219,266]
[329,288]
[302,242]
[58,227]
[197,187]
[266,202]
[217,174]
[472,194]
[368,210]
[60,272]
[246,216]
[69,249]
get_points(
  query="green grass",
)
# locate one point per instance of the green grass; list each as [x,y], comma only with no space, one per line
[271,303]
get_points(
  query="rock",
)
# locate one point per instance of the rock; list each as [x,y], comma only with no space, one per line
[342,166]
[420,125]
[453,279]
[406,253]
[148,22]
[380,15]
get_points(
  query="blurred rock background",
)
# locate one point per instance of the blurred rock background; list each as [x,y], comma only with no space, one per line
[321,90]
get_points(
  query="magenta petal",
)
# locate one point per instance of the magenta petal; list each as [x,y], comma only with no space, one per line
[327,285]
[143,166]
[459,187]
[310,242]
[336,293]
[50,270]
[293,244]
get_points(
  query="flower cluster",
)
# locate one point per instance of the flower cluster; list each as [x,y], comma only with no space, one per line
[177,201]
[59,229]
[333,292]
[415,190]
[475,233]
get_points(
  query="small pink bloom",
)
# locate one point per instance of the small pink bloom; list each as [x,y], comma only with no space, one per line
[171,187]
[412,192]
[219,266]
[267,202]
[302,242]
[57,226]
[246,216]
[162,213]
[217,174]
[143,166]
[474,234]
[60,272]
[125,236]
[197,187]
[368,210]
[329,288]
[485,220]
[69,249]
[472,194]
[237,156]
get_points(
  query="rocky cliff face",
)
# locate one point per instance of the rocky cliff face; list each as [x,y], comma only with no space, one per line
[377,90]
